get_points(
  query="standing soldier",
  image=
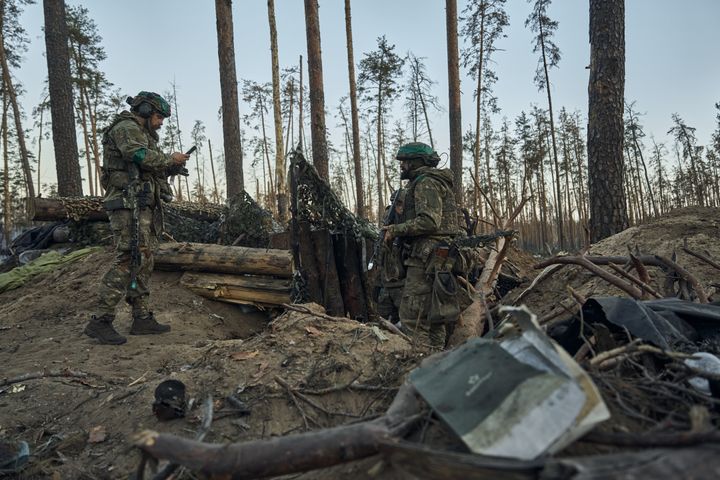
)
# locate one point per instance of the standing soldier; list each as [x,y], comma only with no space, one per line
[134,177]
[392,269]
[430,220]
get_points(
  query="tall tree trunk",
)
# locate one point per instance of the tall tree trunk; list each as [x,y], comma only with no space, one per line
[280,182]
[427,119]
[230,109]
[266,154]
[216,196]
[606,88]
[7,199]
[40,139]
[558,206]
[357,161]
[301,120]
[454,98]
[67,163]
[478,114]
[380,163]
[317,94]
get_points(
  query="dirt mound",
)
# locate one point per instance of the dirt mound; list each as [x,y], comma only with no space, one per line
[89,398]
[697,228]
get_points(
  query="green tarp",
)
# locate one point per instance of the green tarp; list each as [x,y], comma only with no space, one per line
[48,262]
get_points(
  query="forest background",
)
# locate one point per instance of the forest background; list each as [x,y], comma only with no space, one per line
[171,47]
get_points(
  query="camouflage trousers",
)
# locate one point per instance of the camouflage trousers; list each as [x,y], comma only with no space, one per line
[414,308]
[115,284]
[389,300]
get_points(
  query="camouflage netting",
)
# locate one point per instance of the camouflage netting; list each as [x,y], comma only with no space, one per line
[319,205]
[244,222]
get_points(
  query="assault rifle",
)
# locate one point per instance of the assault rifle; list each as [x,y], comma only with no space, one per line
[138,195]
[389,219]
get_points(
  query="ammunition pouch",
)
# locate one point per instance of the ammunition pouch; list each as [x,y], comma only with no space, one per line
[448,299]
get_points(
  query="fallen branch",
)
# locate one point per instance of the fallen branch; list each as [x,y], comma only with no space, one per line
[680,439]
[301,309]
[591,266]
[199,436]
[287,454]
[44,374]
[643,285]
[702,257]
[394,329]
[687,276]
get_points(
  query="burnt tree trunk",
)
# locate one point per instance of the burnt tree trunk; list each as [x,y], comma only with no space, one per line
[608,211]
[228,88]
[67,163]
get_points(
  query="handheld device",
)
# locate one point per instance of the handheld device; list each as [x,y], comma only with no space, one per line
[189,152]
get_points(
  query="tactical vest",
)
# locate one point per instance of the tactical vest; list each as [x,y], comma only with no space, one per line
[115,177]
[449,223]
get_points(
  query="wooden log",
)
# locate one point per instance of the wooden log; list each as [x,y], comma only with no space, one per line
[91,208]
[309,265]
[223,259]
[54,209]
[238,288]
[348,256]
[329,281]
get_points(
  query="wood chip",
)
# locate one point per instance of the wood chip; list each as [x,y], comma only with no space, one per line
[239,356]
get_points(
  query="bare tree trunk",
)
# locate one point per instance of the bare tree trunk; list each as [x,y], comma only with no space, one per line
[317,93]
[280,185]
[301,120]
[61,101]
[230,109]
[558,206]
[427,119]
[478,113]
[289,140]
[380,163]
[608,211]
[357,161]
[266,153]
[216,196]
[40,139]
[7,201]
[454,98]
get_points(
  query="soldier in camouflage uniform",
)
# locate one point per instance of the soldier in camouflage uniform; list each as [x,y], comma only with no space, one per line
[431,216]
[134,175]
[392,268]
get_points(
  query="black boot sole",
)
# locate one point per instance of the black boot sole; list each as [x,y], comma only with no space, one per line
[92,334]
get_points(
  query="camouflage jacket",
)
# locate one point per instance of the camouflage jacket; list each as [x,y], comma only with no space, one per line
[430,209]
[127,142]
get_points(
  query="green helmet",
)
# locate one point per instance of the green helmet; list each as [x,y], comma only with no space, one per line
[418,151]
[145,103]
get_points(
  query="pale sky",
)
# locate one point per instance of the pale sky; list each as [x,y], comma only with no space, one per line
[670,47]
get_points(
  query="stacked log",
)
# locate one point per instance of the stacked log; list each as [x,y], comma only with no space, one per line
[230,274]
[91,208]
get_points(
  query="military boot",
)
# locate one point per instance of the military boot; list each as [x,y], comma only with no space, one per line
[147,325]
[101,329]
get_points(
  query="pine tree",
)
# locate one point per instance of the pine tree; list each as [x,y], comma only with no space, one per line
[379,73]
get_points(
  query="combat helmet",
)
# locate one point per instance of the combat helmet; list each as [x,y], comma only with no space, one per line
[145,103]
[418,151]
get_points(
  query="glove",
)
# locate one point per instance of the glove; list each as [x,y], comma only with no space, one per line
[177,170]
